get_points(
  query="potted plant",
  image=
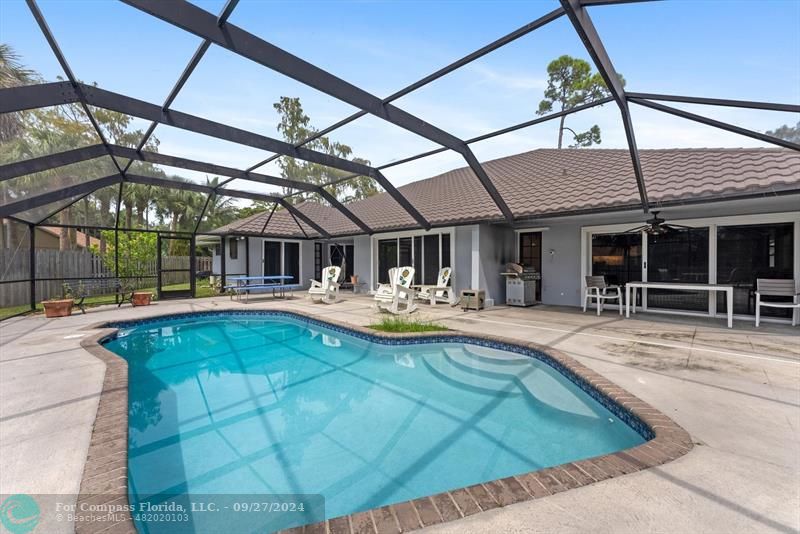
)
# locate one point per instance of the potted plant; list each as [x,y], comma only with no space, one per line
[141,298]
[60,307]
[354,279]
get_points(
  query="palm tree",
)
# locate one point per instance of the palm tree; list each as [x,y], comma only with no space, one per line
[12,74]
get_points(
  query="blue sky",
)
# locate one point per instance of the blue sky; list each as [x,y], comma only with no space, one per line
[728,49]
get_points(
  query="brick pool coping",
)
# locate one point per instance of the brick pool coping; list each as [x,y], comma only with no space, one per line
[105,474]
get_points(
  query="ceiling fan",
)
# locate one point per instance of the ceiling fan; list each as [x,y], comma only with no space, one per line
[657,226]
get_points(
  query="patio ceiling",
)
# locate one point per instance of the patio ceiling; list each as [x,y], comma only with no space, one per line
[216,30]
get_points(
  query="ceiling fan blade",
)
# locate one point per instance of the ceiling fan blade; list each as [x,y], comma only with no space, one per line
[637,229]
[679,226]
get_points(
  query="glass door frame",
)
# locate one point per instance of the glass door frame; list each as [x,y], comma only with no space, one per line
[712,223]
[282,256]
[518,255]
[375,238]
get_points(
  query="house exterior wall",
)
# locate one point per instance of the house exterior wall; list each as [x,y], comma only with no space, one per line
[497,247]
[238,266]
[480,252]
[362,254]
[46,240]
[562,269]
[462,270]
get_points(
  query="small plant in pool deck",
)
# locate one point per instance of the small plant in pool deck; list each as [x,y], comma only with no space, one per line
[401,324]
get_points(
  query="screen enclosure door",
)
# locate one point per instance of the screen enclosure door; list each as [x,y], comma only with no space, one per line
[175,267]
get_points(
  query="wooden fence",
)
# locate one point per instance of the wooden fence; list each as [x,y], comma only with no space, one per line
[77,264]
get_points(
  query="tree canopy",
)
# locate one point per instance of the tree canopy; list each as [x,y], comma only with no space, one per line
[789,133]
[295,126]
[571,83]
[45,131]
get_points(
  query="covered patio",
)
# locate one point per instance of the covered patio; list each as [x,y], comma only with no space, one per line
[735,392]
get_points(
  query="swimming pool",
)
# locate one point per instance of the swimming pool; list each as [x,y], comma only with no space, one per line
[271,403]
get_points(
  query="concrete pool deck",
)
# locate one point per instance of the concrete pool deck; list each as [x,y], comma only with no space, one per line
[736,392]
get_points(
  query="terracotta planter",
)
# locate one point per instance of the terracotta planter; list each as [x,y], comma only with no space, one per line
[58,308]
[141,298]
[354,279]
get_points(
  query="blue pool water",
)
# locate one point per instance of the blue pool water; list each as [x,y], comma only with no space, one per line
[276,405]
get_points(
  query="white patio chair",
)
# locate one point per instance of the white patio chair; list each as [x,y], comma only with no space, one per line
[387,289]
[597,288]
[401,297]
[442,291]
[770,287]
[326,291]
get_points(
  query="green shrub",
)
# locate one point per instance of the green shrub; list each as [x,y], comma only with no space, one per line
[398,324]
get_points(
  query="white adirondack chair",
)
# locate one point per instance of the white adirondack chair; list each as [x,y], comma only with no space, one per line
[400,298]
[441,292]
[385,290]
[326,291]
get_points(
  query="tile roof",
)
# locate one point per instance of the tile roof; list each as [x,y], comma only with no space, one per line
[550,181]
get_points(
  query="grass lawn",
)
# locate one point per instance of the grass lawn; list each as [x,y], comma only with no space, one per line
[202,290]
[397,324]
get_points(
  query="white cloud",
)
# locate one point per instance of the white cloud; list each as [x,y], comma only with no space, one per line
[513,81]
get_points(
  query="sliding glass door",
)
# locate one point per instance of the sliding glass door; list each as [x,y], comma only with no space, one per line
[618,257]
[387,258]
[745,253]
[724,251]
[426,253]
[282,258]
[678,256]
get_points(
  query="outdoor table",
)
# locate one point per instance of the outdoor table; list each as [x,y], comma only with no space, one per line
[635,286]
[258,282]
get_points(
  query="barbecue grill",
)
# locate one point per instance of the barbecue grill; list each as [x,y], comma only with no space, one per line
[520,284]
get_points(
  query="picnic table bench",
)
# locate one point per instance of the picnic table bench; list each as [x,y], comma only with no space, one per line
[257,284]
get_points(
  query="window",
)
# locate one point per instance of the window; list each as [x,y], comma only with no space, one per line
[418,256]
[431,259]
[745,253]
[678,256]
[233,248]
[405,252]
[216,250]
[317,260]
[446,250]
[426,253]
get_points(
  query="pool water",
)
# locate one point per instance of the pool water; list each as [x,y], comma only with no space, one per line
[276,405]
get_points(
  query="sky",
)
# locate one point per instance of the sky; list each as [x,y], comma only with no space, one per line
[746,49]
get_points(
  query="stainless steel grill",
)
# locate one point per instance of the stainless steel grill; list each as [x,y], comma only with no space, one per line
[520,284]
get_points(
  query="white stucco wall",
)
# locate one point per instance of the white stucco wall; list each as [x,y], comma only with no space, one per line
[362,263]
[256,244]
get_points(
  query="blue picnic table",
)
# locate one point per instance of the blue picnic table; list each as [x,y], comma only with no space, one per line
[244,285]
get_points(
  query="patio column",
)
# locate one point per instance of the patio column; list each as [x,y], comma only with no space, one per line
[192,265]
[222,258]
[247,256]
[116,258]
[32,264]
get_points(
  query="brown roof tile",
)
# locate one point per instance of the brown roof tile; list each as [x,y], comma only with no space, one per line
[552,181]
